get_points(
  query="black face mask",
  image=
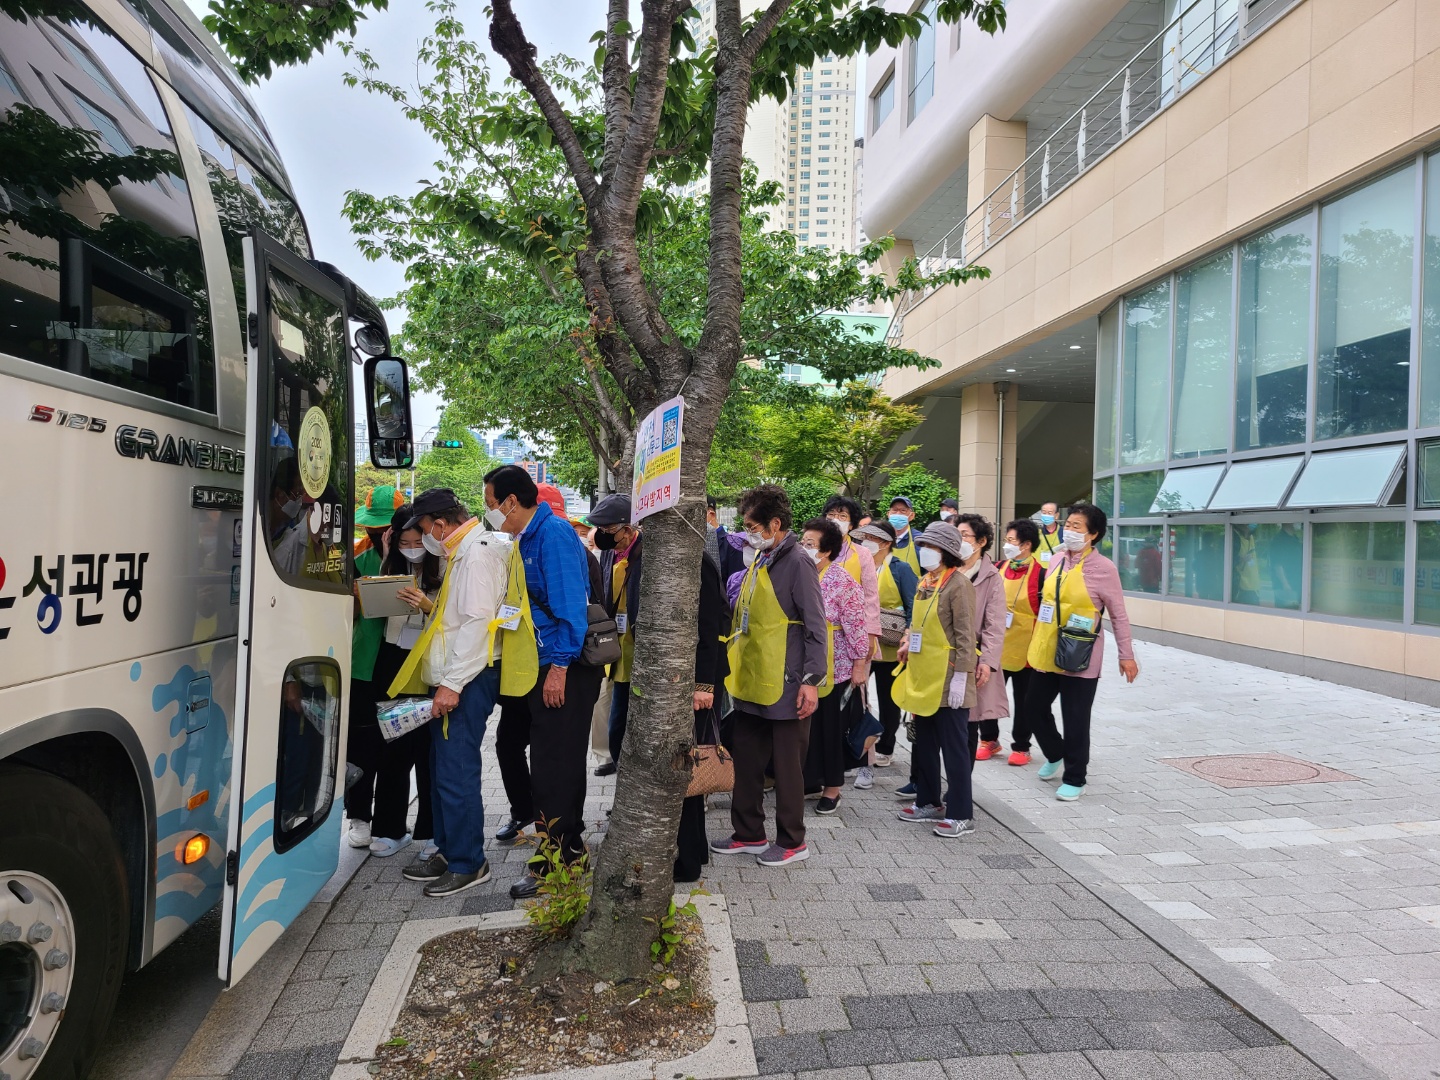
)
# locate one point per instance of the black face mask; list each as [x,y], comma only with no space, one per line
[604,541]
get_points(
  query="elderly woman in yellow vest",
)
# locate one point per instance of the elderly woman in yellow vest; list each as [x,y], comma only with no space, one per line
[1022,575]
[1081,588]
[896,592]
[936,683]
[991,701]
[777,653]
[846,514]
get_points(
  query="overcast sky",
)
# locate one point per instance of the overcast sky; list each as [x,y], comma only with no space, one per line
[334,139]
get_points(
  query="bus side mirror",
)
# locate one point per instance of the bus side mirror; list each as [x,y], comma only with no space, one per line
[387,413]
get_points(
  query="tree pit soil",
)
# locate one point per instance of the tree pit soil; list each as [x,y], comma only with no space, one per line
[475,1012]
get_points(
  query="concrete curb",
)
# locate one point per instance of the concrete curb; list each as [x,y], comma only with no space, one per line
[729,1054]
[1318,1046]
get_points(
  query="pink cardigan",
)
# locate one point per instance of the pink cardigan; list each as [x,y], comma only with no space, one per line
[869,584]
[1102,582]
[991,700]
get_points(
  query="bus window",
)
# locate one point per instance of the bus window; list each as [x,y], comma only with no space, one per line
[309,742]
[246,199]
[309,444]
[100,268]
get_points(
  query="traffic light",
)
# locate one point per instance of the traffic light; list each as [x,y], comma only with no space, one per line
[447,444]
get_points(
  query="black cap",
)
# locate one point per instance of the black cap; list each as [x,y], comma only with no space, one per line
[951,503]
[430,502]
[611,510]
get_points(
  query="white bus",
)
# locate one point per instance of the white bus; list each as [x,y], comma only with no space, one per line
[175,575]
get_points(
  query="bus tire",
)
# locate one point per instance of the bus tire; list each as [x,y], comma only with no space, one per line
[57,845]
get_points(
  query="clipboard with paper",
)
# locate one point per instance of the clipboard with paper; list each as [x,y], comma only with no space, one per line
[378,595]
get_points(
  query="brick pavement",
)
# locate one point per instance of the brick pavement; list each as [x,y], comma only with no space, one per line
[1326,895]
[891,955]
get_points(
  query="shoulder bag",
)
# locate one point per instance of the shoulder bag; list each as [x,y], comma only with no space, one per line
[602,633]
[1073,647]
[711,767]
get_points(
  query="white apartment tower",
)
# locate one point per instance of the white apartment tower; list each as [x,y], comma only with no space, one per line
[807,145]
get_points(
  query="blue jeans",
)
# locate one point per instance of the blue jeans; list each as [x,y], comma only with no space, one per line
[455,767]
[619,717]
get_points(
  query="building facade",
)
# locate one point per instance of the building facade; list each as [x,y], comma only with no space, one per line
[1213,304]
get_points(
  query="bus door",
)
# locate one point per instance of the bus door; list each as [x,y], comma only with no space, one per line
[295,603]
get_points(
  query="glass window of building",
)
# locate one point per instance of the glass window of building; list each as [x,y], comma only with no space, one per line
[1145,376]
[1187,489]
[1272,348]
[1201,418]
[1104,495]
[1427,493]
[1367,476]
[1367,264]
[920,68]
[1197,562]
[1256,485]
[1357,569]
[1265,565]
[1427,573]
[1137,493]
[1107,352]
[1430,313]
[1137,554]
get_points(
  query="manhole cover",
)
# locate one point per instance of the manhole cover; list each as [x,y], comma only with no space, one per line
[1256,770]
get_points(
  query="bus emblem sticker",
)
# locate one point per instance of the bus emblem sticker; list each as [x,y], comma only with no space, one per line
[314,446]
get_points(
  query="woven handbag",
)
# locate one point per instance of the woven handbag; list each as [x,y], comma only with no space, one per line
[711,767]
[893,624]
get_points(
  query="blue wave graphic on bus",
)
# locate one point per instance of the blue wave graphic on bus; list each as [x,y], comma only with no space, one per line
[277,888]
[198,761]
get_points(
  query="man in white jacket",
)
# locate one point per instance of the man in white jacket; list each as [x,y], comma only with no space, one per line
[457,663]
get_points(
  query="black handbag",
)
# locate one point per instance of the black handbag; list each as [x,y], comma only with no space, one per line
[1073,648]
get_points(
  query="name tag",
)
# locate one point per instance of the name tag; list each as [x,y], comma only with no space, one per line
[1047,612]
[509,617]
[914,642]
[409,635]
[1079,622]
[1009,618]
[622,621]
[1044,558]
[745,621]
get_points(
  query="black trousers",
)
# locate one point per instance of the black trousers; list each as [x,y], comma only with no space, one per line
[512,740]
[619,718]
[397,760]
[888,712]
[1077,699]
[559,747]
[1019,719]
[950,736]
[825,756]
[754,741]
[364,747]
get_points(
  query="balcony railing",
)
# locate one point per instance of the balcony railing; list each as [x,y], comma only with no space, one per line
[1197,40]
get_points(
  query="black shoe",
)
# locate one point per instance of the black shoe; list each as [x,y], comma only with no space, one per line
[448,884]
[525,888]
[827,805]
[430,869]
[608,769]
[511,831]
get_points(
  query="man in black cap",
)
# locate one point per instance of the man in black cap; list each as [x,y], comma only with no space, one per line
[949,511]
[455,657]
[620,547]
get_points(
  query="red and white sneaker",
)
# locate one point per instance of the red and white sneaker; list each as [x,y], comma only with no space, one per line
[775,855]
[987,749]
[1018,757]
[731,846]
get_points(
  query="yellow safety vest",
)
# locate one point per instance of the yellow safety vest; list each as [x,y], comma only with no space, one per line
[520,654]
[910,555]
[1020,617]
[1074,600]
[620,670]
[889,598]
[830,628]
[852,563]
[1049,544]
[920,683]
[757,641]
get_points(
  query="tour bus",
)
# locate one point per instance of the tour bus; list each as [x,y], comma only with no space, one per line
[176,424]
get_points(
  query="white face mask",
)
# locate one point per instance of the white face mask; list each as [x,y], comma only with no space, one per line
[1011,551]
[495,519]
[947,516]
[843,526]
[966,550]
[929,558]
[814,554]
[1074,541]
[748,555]
[758,542]
[414,554]
[871,546]
[432,545]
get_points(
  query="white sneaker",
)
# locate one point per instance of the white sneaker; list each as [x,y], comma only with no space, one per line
[382,847]
[865,778]
[359,834]
[883,761]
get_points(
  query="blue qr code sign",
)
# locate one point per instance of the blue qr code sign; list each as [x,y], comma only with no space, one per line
[670,430]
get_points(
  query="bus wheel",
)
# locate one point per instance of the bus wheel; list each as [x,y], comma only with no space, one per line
[64,925]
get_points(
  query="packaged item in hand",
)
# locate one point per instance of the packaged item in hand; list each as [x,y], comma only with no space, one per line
[397,717]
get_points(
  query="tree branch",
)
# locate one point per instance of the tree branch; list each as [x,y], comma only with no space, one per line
[640,123]
[761,31]
[508,38]
[616,78]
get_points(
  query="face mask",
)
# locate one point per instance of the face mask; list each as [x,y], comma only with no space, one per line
[947,517]
[1011,551]
[291,509]
[495,519]
[758,542]
[604,541]
[414,554]
[871,546]
[1074,541]
[814,554]
[748,555]
[929,558]
[899,522]
[966,550]
[432,545]
[1047,520]
[843,526]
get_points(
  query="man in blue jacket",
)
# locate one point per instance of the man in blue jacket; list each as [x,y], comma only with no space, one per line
[557,584]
